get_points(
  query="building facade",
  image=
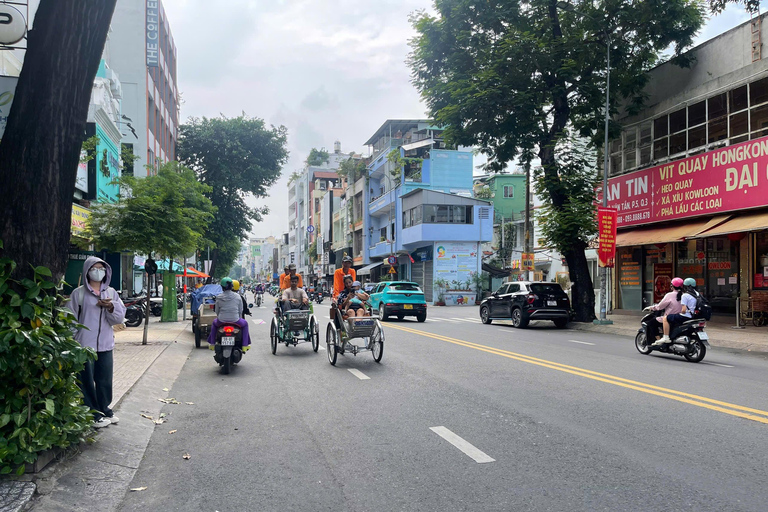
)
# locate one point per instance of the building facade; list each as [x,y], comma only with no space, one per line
[419,219]
[688,177]
[142,51]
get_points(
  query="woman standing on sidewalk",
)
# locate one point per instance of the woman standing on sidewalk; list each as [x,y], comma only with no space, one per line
[98,307]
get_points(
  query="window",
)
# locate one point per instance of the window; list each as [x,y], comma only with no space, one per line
[509,191]
[513,288]
[447,214]
[404,287]
[502,289]
[551,289]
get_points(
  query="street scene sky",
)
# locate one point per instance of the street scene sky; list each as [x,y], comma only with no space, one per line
[327,70]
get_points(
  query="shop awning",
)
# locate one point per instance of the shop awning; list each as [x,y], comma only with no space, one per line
[667,234]
[366,271]
[738,224]
[191,272]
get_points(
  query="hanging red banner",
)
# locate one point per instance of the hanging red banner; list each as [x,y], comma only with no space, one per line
[606,230]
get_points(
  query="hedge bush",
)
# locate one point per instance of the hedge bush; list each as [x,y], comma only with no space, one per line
[40,402]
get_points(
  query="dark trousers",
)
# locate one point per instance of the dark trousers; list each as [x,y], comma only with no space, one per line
[96,384]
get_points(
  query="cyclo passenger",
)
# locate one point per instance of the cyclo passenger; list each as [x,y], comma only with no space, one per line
[294,297]
[229,309]
[352,299]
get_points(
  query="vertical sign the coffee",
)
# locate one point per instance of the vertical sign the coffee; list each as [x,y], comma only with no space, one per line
[153,38]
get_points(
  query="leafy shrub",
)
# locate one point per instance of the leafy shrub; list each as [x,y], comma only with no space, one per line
[40,402]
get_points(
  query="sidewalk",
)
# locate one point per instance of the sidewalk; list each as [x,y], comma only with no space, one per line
[131,362]
[720,329]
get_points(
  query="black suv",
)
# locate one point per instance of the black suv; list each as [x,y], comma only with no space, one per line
[524,301]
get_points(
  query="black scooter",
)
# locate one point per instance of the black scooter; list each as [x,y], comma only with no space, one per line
[229,346]
[688,339]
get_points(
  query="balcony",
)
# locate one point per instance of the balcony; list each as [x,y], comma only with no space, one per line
[381,249]
[379,206]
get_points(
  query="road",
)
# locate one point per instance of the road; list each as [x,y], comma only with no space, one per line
[461,416]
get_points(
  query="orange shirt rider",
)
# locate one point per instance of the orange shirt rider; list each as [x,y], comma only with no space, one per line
[285,279]
[338,276]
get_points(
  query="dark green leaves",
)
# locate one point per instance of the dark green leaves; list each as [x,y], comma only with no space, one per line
[40,402]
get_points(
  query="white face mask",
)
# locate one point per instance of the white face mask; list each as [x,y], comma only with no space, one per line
[97,274]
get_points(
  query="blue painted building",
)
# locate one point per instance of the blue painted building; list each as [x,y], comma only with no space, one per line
[420,213]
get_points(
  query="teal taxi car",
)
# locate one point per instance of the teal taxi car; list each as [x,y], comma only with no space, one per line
[399,299]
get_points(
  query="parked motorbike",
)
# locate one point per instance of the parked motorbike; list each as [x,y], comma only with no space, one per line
[229,346]
[688,339]
[134,312]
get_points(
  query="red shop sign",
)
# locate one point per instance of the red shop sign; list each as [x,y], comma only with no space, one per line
[606,230]
[728,179]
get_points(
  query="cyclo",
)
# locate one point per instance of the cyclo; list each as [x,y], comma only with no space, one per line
[293,327]
[341,332]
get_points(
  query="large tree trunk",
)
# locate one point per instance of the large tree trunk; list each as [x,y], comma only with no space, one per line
[582,291]
[40,150]
[214,259]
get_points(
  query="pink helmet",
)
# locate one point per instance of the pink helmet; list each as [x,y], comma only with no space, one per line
[677,282]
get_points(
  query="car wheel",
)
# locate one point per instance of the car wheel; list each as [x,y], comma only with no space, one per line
[485,315]
[400,317]
[518,319]
[560,323]
[421,317]
[383,312]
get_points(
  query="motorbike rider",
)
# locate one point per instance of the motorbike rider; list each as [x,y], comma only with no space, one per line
[338,276]
[294,297]
[236,288]
[229,309]
[671,305]
[285,282]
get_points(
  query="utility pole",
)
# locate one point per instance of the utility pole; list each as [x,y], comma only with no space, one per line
[527,248]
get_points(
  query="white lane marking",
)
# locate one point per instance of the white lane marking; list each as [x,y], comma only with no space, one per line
[357,373]
[320,347]
[448,320]
[581,342]
[467,320]
[504,330]
[460,443]
[719,364]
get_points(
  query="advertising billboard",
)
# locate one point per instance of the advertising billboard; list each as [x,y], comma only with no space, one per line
[724,180]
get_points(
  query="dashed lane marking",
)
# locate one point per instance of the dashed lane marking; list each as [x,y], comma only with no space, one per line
[719,364]
[357,373]
[462,444]
[581,342]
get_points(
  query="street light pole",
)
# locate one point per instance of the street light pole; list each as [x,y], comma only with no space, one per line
[565,6]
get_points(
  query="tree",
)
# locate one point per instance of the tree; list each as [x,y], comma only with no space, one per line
[352,169]
[40,149]
[165,215]
[318,157]
[234,157]
[518,79]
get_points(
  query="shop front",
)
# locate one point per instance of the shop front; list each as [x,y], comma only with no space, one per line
[704,217]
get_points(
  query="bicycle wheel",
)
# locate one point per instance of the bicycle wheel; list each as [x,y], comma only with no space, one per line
[758,318]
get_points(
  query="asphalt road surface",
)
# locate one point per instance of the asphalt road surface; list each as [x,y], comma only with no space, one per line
[461,416]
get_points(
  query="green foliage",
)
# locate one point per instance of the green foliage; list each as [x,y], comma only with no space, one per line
[40,402]
[313,252]
[481,281]
[575,221]
[318,157]
[165,214]
[294,176]
[507,244]
[484,193]
[127,157]
[718,6]
[399,163]
[352,169]
[235,157]
[88,151]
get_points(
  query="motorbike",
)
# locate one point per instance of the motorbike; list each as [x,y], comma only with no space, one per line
[134,312]
[688,339]
[318,297]
[229,346]
[258,299]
